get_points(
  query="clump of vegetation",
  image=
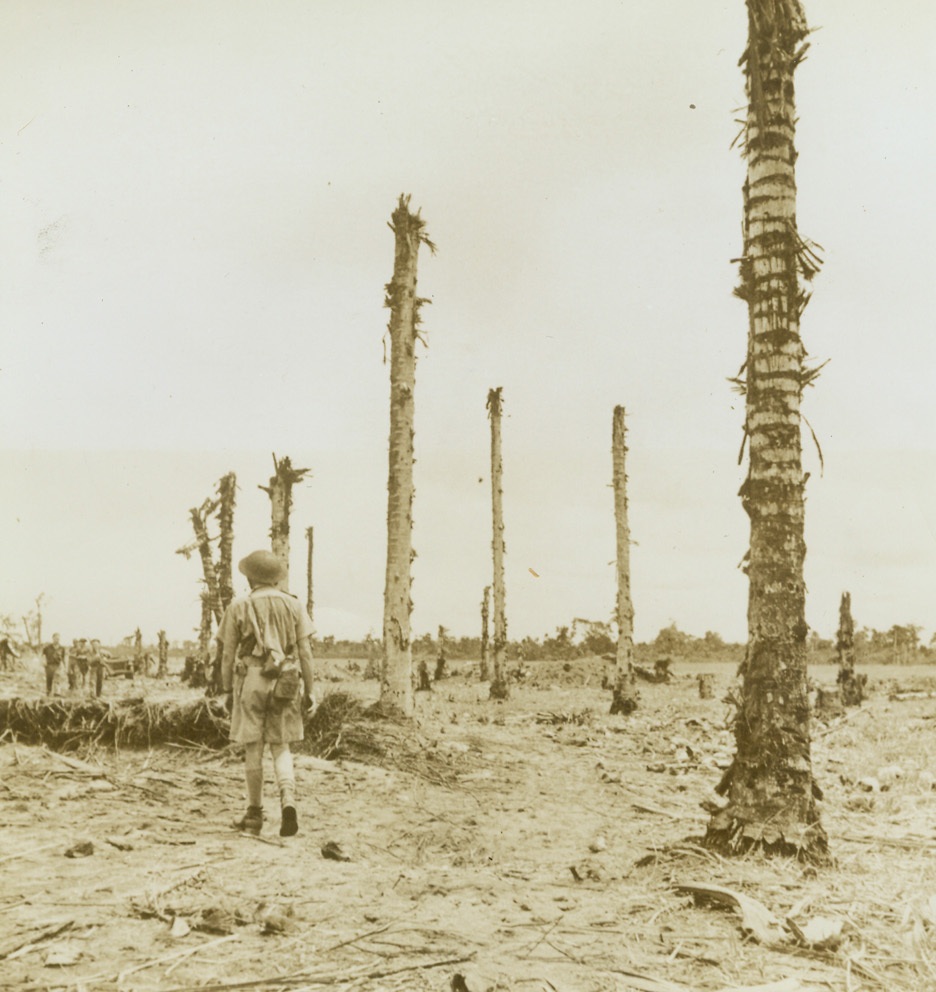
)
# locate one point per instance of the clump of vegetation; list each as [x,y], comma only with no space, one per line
[67,724]
[341,727]
[324,726]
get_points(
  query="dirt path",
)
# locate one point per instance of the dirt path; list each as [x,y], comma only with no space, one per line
[545,858]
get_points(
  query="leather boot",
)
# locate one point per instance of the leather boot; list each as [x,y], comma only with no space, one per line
[252,821]
[290,824]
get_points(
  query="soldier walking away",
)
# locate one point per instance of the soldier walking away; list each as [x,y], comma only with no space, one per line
[96,667]
[266,675]
[54,655]
[8,654]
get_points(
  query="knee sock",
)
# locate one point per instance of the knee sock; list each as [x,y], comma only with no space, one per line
[253,772]
[285,776]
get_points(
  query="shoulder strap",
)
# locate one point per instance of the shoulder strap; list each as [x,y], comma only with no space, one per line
[259,631]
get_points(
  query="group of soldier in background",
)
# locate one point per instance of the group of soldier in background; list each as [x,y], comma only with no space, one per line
[83,664]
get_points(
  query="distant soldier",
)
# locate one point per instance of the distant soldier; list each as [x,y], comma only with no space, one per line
[8,653]
[96,666]
[78,664]
[54,655]
[72,667]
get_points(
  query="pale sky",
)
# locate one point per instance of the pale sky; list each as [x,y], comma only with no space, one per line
[194,248]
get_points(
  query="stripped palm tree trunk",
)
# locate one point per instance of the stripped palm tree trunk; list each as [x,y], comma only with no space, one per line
[624,697]
[310,543]
[396,675]
[200,517]
[227,487]
[280,492]
[770,789]
[163,648]
[485,643]
[500,688]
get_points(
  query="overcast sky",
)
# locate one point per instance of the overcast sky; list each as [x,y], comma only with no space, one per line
[193,252]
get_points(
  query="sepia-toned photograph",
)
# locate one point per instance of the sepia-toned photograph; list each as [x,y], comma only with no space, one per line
[467,496]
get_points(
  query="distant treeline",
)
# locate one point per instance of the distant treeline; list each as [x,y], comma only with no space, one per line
[580,639]
[900,645]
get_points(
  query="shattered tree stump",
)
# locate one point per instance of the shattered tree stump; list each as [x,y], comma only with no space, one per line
[853,686]
[829,702]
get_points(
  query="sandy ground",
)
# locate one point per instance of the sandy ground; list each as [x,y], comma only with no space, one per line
[541,850]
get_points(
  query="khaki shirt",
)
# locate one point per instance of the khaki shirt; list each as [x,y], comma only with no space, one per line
[286,630]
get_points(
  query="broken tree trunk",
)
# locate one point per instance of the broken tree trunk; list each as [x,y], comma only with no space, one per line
[38,613]
[485,644]
[280,492]
[499,685]
[852,684]
[770,787]
[227,487]
[204,629]
[441,670]
[200,517]
[310,602]
[163,647]
[624,697]
[396,676]
[27,630]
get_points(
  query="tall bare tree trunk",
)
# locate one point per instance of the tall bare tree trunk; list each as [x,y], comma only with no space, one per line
[280,492]
[310,600]
[500,688]
[485,644]
[199,517]
[396,676]
[624,698]
[770,789]
[227,488]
